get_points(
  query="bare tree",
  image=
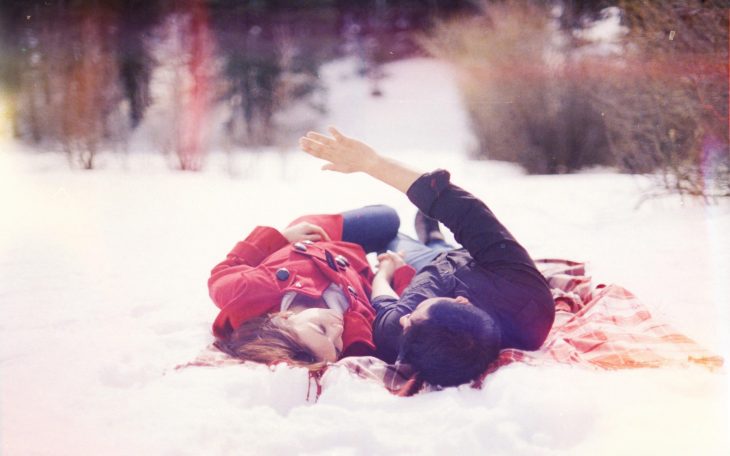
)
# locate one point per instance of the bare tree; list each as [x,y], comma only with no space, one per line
[70,95]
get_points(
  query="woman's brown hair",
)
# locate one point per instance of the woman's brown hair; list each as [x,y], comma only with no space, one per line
[267,340]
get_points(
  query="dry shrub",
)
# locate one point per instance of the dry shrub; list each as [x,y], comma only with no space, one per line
[666,99]
[71,96]
[524,89]
[89,99]
[539,96]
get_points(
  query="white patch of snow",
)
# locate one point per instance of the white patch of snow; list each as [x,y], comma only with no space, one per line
[103,292]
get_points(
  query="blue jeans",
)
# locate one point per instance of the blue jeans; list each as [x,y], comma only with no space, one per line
[375,228]
[416,253]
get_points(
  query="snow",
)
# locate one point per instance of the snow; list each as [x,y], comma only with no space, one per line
[103,293]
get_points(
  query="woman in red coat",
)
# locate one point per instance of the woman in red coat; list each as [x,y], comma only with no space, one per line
[302,295]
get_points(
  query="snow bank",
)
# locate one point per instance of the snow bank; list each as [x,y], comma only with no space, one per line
[102,295]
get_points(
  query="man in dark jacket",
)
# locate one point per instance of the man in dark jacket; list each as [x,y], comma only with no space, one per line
[466,304]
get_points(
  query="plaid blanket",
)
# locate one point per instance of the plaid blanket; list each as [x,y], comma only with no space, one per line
[599,327]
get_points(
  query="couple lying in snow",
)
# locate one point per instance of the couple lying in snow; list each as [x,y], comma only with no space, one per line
[307,295]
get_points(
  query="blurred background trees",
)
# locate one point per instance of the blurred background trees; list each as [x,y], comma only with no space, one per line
[184,79]
[523,85]
[188,76]
[666,98]
[64,95]
[556,86]
[549,87]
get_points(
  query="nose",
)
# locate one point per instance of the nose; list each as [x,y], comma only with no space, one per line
[334,317]
[336,331]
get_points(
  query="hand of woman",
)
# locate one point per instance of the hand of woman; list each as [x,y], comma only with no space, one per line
[305,231]
[346,155]
[388,263]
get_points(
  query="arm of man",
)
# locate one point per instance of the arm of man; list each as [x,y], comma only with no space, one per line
[384,298]
[387,329]
[473,224]
[348,155]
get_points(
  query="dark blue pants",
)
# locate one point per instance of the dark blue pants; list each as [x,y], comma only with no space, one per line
[416,253]
[375,228]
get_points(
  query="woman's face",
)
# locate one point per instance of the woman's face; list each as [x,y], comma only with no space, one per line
[320,330]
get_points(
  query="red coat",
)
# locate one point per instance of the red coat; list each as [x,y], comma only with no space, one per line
[246,285]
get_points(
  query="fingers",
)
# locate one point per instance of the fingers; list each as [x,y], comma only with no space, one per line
[336,134]
[392,256]
[317,144]
[322,233]
[320,138]
[322,151]
[314,232]
[312,147]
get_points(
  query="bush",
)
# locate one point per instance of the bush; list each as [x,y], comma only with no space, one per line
[666,99]
[69,95]
[524,89]
[539,96]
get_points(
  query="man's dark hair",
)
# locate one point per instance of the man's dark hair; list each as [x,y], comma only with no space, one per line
[454,345]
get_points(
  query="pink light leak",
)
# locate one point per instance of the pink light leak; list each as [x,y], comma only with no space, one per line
[198,97]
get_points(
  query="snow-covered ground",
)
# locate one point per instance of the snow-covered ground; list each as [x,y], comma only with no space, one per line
[103,293]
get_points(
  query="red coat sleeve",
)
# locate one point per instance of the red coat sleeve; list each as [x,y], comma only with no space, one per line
[402,278]
[262,242]
[224,282]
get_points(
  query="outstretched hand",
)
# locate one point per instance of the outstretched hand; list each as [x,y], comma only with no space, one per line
[344,154]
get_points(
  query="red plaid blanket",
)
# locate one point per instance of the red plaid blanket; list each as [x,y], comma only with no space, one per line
[599,327]
[604,327]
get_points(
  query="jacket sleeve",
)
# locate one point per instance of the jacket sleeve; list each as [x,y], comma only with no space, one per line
[525,306]
[387,330]
[262,242]
[474,225]
[224,282]
[402,278]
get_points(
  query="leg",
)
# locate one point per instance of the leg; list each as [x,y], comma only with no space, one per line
[371,226]
[416,253]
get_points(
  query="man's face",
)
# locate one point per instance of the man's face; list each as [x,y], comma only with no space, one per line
[421,312]
[320,330]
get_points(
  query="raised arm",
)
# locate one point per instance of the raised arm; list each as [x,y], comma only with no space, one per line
[348,155]
[473,224]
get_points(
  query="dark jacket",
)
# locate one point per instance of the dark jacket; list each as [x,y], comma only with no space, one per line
[493,271]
